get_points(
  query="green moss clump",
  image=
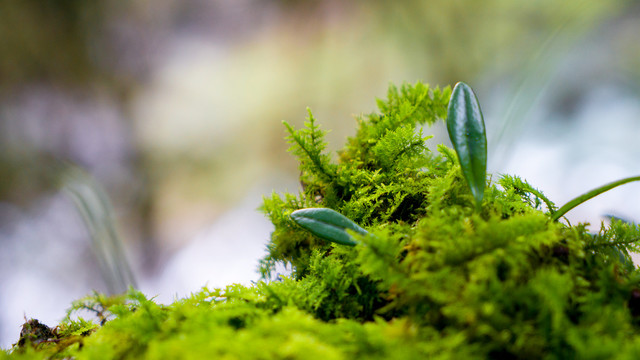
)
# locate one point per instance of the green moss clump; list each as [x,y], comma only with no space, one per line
[433,278]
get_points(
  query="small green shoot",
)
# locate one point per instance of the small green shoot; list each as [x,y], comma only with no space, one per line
[465,125]
[591,194]
[328,224]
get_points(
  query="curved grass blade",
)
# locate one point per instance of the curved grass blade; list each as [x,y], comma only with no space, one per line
[97,213]
[465,125]
[591,194]
[328,224]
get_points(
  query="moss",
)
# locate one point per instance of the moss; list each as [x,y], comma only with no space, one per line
[433,277]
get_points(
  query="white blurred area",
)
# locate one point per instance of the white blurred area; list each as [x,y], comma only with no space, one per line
[189,142]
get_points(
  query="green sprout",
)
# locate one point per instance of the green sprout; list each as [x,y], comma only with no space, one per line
[328,224]
[465,125]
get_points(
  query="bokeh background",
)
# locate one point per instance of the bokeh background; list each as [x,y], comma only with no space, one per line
[174,107]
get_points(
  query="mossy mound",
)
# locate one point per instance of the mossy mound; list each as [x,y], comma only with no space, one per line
[434,278]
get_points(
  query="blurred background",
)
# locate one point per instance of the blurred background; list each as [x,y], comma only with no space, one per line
[174,108]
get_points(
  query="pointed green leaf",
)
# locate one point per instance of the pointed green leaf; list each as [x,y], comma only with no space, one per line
[591,194]
[328,225]
[465,125]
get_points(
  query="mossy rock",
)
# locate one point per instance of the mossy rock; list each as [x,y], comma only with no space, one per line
[435,276]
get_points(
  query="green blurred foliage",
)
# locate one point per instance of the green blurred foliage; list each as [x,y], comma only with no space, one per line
[463,39]
[49,40]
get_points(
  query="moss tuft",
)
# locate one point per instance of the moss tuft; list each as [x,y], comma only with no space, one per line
[431,278]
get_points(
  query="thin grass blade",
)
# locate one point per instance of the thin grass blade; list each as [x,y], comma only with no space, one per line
[328,224]
[465,125]
[93,205]
[591,194]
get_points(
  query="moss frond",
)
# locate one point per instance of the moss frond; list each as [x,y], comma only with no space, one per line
[431,277]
